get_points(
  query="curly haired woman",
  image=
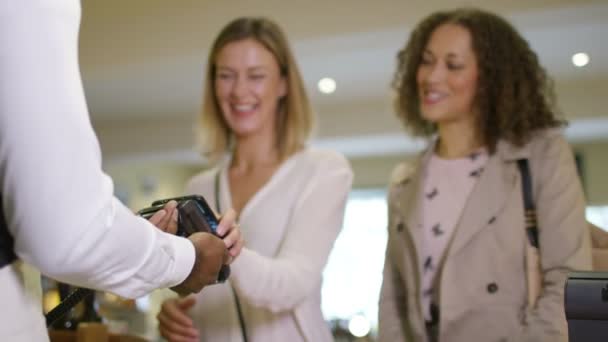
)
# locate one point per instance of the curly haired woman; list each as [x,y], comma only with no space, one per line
[455,266]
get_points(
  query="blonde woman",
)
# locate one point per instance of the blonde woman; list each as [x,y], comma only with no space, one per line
[256,120]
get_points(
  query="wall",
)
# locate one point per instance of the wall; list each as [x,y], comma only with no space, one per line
[143,182]
[140,184]
[595,166]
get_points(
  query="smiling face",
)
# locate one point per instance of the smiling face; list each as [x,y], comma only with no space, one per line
[248,86]
[447,76]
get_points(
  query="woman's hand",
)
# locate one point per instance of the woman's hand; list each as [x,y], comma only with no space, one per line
[231,234]
[174,324]
[166,220]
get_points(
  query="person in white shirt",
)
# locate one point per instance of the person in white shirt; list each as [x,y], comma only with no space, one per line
[58,209]
[291,197]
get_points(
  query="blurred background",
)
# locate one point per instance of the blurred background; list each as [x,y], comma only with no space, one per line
[142,64]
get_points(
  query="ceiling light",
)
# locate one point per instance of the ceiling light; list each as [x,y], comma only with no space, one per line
[327,85]
[580,59]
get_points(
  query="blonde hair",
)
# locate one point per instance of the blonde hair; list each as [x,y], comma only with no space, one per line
[295,120]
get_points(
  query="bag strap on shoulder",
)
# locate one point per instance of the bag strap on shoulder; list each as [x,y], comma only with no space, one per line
[239,310]
[534,277]
[7,251]
[529,207]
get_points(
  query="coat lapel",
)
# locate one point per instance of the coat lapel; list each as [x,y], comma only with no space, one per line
[489,195]
[409,203]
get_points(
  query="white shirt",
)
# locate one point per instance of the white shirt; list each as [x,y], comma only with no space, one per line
[58,203]
[289,227]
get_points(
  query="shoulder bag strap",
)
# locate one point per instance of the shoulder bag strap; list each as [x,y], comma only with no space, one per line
[236,298]
[7,252]
[533,271]
[530,208]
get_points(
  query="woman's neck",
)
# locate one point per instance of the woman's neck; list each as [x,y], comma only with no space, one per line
[253,152]
[457,140]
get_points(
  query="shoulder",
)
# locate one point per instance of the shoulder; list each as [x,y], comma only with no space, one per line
[400,176]
[550,156]
[544,144]
[548,144]
[323,158]
[401,173]
[407,169]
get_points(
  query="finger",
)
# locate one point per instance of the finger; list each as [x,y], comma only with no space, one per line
[172,336]
[169,206]
[172,311]
[157,217]
[169,209]
[235,250]
[172,225]
[174,331]
[186,303]
[227,222]
[232,237]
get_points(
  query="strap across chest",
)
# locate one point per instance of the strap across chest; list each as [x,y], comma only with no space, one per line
[7,252]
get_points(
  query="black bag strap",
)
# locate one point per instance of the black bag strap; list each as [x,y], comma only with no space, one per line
[7,244]
[236,298]
[529,207]
[216,189]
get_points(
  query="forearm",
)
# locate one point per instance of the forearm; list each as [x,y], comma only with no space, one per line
[108,249]
[57,201]
[282,281]
[116,252]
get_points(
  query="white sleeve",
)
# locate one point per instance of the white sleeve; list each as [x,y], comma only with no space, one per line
[284,281]
[59,204]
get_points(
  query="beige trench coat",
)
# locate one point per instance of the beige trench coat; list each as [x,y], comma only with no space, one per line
[482,288]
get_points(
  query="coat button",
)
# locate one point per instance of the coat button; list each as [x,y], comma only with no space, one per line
[400,226]
[492,288]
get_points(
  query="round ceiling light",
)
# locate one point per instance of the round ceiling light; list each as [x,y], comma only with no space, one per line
[580,59]
[326,85]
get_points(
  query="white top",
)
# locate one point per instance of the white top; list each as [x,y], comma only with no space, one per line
[289,227]
[447,185]
[57,201]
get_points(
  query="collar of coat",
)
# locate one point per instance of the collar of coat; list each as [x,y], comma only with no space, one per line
[506,151]
[486,202]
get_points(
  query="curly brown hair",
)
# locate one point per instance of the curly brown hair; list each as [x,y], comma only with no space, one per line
[514,93]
